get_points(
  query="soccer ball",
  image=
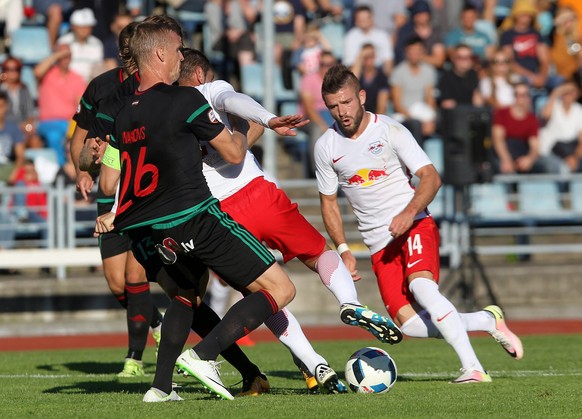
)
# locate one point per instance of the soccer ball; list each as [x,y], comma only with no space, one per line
[371,370]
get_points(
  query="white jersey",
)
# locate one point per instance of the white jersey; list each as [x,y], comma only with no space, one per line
[225,179]
[374,171]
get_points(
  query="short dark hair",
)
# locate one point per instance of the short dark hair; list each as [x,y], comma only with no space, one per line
[192,59]
[124,37]
[337,77]
[413,40]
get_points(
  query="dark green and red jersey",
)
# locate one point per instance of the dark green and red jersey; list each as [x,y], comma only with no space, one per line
[157,133]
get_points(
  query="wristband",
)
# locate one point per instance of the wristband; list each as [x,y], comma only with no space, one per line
[342,248]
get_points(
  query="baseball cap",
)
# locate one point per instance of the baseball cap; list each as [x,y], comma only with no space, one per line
[83,17]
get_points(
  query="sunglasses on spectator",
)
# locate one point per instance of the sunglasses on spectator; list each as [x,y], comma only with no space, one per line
[500,61]
[327,64]
[15,69]
[464,57]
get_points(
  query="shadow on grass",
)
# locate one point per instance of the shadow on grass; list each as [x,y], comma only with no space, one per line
[93,367]
[98,387]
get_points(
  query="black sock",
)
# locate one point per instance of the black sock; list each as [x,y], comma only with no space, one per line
[242,318]
[121,300]
[205,319]
[175,331]
[139,312]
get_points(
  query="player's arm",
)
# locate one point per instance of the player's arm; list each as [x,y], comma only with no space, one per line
[110,171]
[428,186]
[332,219]
[232,147]
[84,181]
[245,107]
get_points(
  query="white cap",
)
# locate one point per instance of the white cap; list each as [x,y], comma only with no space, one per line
[83,17]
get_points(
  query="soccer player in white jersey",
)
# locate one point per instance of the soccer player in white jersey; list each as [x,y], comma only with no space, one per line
[372,158]
[244,192]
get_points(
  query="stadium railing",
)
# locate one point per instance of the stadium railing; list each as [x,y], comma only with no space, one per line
[501,219]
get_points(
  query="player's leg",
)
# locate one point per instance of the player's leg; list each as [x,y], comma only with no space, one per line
[243,262]
[491,320]
[417,255]
[286,328]
[203,321]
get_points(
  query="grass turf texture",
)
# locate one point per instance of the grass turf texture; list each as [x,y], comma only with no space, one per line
[83,383]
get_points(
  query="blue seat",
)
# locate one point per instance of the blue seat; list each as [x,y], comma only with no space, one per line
[334,33]
[541,200]
[490,204]
[28,78]
[576,196]
[30,44]
[434,148]
[253,84]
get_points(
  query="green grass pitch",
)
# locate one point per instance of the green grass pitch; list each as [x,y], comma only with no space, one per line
[82,383]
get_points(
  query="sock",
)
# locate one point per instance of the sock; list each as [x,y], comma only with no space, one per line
[139,312]
[218,297]
[121,300]
[420,326]
[480,321]
[242,318]
[175,331]
[205,319]
[157,317]
[286,328]
[446,319]
[335,276]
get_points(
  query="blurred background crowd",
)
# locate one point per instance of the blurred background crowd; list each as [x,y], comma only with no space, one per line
[519,61]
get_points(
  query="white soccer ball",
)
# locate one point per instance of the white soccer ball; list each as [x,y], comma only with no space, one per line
[371,370]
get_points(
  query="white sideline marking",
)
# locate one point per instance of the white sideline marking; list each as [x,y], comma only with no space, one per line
[498,374]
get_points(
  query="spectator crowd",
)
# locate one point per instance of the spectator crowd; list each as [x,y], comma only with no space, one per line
[520,61]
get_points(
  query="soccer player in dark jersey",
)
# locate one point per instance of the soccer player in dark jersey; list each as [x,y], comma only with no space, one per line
[125,276]
[166,207]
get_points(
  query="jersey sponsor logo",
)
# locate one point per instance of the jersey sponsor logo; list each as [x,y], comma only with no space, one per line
[171,244]
[134,135]
[367,177]
[213,117]
[411,264]
[167,256]
[334,161]
[188,245]
[376,148]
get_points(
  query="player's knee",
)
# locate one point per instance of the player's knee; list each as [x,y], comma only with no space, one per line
[116,282]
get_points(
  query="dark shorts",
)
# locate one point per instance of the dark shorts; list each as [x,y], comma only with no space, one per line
[211,238]
[113,244]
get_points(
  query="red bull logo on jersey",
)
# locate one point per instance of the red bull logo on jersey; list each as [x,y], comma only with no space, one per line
[376,148]
[134,135]
[367,177]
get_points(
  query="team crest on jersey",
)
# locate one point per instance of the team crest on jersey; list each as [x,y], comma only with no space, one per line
[168,256]
[213,117]
[376,148]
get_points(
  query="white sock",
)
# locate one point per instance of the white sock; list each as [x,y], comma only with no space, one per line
[420,326]
[286,328]
[446,319]
[218,297]
[335,276]
[479,321]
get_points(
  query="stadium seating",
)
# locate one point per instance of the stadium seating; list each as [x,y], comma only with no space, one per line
[30,44]
[28,78]
[490,204]
[334,33]
[253,84]
[433,147]
[541,200]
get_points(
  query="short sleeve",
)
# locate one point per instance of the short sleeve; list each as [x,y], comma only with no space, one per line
[327,178]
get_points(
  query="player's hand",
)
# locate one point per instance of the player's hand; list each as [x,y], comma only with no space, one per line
[104,224]
[85,184]
[99,150]
[400,224]
[284,125]
[350,261]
